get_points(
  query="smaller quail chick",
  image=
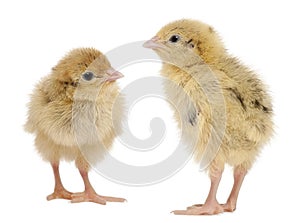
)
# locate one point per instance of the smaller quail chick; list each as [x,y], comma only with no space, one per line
[70,114]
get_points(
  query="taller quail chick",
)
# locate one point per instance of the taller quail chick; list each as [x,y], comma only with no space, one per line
[198,66]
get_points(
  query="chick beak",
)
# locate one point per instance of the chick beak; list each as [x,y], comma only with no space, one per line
[113,74]
[153,43]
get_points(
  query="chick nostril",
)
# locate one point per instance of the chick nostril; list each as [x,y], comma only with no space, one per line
[155,38]
[153,43]
[111,71]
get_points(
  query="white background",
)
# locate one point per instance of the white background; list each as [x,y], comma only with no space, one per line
[36,34]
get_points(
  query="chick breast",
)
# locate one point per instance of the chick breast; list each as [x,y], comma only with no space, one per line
[248,113]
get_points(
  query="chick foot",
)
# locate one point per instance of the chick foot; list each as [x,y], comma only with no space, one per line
[211,205]
[199,209]
[61,193]
[228,207]
[94,197]
[90,195]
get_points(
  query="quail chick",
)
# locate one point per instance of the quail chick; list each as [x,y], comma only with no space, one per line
[70,114]
[198,66]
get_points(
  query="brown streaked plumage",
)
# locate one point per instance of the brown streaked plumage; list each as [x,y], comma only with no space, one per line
[189,48]
[70,113]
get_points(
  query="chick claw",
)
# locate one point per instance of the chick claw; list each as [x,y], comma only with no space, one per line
[93,197]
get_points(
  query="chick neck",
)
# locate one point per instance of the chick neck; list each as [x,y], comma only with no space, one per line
[213,55]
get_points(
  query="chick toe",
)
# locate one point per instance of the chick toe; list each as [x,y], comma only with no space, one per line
[61,193]
[205,209]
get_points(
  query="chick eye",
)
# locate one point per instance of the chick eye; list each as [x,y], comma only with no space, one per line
[174,38]
[87,76]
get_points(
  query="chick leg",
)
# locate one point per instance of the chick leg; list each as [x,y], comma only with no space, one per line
[211,205]
[59,191]
[239,175]
[90,195]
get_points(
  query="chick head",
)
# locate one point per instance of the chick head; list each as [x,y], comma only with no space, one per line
[86,69]
[189,34]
